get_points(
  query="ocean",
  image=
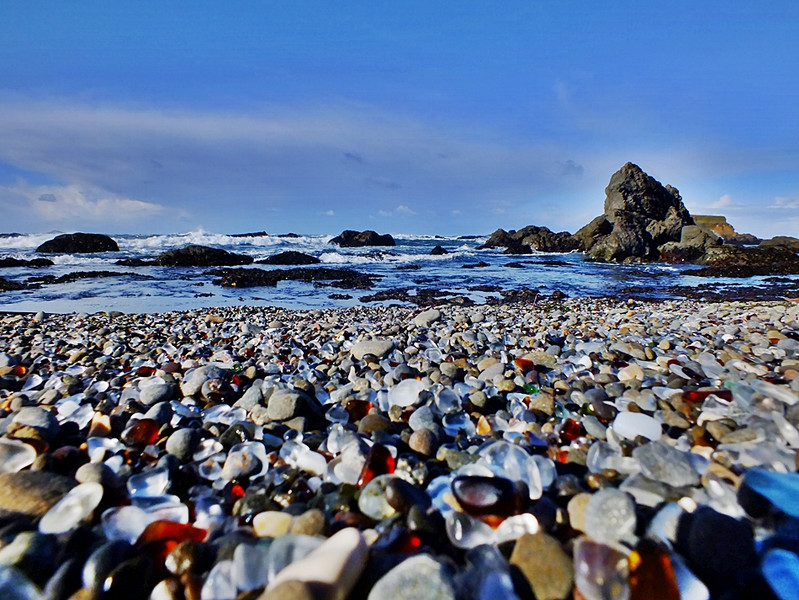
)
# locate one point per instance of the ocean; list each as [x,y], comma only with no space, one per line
[409,266]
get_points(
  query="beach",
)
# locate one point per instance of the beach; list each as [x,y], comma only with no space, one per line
[562,447]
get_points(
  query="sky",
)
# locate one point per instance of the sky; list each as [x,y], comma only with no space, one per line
[419,117]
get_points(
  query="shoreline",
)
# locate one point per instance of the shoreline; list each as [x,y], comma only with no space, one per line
[534,437]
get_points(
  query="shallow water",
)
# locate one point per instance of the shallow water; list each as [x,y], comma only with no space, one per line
[157,289]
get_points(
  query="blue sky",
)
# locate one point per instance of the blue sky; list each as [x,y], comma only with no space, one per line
[404,117]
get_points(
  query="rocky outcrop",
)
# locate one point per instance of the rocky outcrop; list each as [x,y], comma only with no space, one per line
[718,225]
[791,243]
[79,243]
[10,261]
[290,257]
[693,245]
[201,256]
[640,216]
[729,260]
[531,238]
[343,278]
[356,239]
[439,251]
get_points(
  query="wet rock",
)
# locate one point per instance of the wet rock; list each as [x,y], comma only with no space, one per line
[291,257]
[78,243]
[355,239]
[200,256]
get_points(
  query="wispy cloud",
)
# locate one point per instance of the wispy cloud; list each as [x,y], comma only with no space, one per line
[785,203]
[75,207]
[724,202]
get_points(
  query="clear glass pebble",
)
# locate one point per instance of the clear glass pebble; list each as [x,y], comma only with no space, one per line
[125,523]
[513,462]
[406,393]
[152,482]
[72,509]
[467,532]
[220,584]
[15,455]
[630,425]
[610,516]
[600,571]
[250,566]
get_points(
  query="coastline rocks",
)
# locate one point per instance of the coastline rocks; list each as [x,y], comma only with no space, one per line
[356,239]
[195,255]
[78,243]
[439,251]
[640,214]
[527,239]
[719,226]
[783,240]
[343,278]
[737,261]
[10,261]
[694,243]
[290,257]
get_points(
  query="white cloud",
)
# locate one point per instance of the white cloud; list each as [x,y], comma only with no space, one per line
[785,203]
[724,202]
[330,213]
[404,210]
[73,206]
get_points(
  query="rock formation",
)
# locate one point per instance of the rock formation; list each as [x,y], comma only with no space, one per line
[640,216]
[79,243]
[527,239]
[290,257]
[718,224]
[355,239]
[201,256]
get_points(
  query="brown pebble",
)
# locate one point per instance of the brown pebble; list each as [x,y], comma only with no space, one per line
[311,522]
[374,422]
[547,568]
[291,590]
[423,441]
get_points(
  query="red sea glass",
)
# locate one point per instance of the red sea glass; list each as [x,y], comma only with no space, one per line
[142,433]
[379,461]
[170,530]
[524,364]
[651,573]
[697,396]
[570,430]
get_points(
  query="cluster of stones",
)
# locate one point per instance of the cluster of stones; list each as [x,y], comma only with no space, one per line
[584,448]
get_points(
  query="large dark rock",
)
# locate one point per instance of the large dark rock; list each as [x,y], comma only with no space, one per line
[356,239]
[291,257]
[79,243]
[527,239]
[343,278]
[640,215]
[201,256]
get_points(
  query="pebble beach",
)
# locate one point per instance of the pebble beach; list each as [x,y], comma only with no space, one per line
[584,448]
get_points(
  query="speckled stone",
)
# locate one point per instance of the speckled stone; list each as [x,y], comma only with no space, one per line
[547,568]
[32,492]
